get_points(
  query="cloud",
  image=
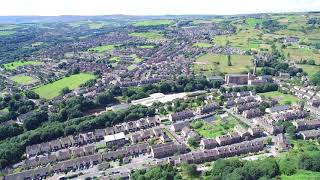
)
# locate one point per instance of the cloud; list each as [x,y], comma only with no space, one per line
[153,7]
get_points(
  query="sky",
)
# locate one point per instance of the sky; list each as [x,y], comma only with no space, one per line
[153,7]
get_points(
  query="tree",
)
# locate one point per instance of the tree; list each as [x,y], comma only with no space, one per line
[190,170]
[31,95]
[193,142]
[315,79]
[65,91]
[229,60]
[311,62]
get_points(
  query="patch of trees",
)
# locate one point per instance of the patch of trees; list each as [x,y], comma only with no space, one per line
[315,79]
[10,130]
[35,120]
[159,172]
[182,84]
[267,87]
[272,26]
[314,21]
[236,169]
[16,105]
[277,67]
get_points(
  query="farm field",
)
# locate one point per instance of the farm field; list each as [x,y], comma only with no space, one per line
[52,90]
[6,33]
[147,35]
[215,64]
[302,175]
[244,40]
[22,79]
[310,69]
[15,64]
[8,27]
[302,53]
[252,22]
[217,127]
[105,48]
[154,22]
[202,45]
[282,98]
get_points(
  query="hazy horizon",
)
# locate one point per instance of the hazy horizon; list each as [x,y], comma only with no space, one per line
[153,7]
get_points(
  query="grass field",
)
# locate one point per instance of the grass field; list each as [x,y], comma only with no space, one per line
[15,64]
[5,27]
[147,35]
[252,22]
[244,39]
[217,127]
[202,45]
[22,79]
[303,175]
[105,48]
[6,33]
[146,46]
[90,24]
[154,22]
[214,64]
[310,69]
[52,90]
[282,98]
[302,53]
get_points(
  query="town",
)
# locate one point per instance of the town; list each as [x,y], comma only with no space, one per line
[108,98]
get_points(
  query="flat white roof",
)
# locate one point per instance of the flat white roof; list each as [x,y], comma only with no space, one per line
[114,137]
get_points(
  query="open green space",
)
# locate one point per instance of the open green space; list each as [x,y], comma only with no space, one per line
[310,69]
[23,79]
[297,54]
[217,127]
[5,27]
[302,175]
[154,22]
[252,22]
[281,97]
[147,35]
[202,45]
[6,33]
[52,90]
[105,48]
[15,64]
[245,39]
[215,64]
[37,44]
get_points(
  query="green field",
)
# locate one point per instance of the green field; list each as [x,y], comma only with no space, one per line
[217,127]
[15,64]
[310,69]
[252,22]
[105,48]
[215,64]
[246,39]
[52,90]
[146,46]
[90,24]
[147,35]
[202,45]
[5,27]
[302,175]
[22,79]
[6,33]
[282,98]
[297,54]
[154,23]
